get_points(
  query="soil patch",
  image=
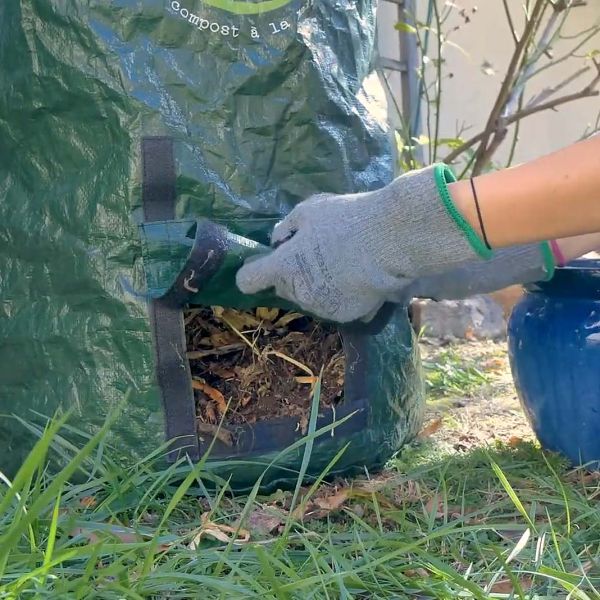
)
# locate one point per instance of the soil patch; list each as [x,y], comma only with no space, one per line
[264,364]
[488,414]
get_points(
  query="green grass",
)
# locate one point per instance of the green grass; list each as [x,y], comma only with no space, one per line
[433,527]
[451,373]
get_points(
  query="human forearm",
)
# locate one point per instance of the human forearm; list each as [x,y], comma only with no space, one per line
[556,196]
[342,256]
[574,247]
[508,266]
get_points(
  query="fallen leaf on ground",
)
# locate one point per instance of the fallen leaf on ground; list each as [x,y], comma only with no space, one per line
[584,567]
[583,477]
[431,428]
[494,364]
[435,506]
[280,499]
[505,586]
[88,502]
[407,491]
[418,572]
[123,534]
[363,494]
[215,395]
[402,489]
[264,521]
[379,482]
[333,502]
[322,506]
[514,441]
[219,532]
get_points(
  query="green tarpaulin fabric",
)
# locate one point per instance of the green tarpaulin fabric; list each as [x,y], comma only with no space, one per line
[266,102]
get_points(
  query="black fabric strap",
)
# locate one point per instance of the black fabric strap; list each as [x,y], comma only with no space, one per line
[172,367]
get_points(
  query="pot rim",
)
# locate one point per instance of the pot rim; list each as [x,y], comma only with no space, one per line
[578,279]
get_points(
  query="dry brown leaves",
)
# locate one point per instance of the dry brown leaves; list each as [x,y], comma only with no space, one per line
[514,441]
[275,380]
[505,586]
[435,507]
[217,531]
[431,428]
[401,490]
[583,477]
[88,502]
[418,572]
[494,364]
[265,520]
[320,507]
[361,494]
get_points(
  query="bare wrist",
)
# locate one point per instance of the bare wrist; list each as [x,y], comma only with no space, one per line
[462,196]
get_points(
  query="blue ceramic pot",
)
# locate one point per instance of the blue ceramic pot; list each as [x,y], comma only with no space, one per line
[554,346]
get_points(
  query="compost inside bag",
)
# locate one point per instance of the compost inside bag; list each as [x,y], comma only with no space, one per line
[151,148]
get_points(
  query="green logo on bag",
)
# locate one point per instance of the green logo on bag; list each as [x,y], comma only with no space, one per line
[247,7]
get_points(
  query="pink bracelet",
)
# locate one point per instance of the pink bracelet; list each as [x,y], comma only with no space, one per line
[558,255]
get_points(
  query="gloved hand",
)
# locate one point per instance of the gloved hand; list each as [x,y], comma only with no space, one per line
[508,266]
[342,257]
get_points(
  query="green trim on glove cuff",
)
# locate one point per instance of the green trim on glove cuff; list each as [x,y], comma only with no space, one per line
[549,261]
[443,176]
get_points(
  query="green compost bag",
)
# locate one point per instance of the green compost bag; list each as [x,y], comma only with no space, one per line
[146,148]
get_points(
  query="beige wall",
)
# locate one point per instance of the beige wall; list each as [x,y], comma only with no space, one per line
[469,95]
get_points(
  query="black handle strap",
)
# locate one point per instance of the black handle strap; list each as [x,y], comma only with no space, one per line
[172,367]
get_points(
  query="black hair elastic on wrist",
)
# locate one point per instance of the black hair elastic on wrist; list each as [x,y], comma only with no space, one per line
[485,240]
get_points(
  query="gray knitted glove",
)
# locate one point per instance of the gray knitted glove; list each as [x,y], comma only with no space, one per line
[342,257]
[508,266]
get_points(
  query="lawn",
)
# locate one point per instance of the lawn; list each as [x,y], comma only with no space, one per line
[472,509]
